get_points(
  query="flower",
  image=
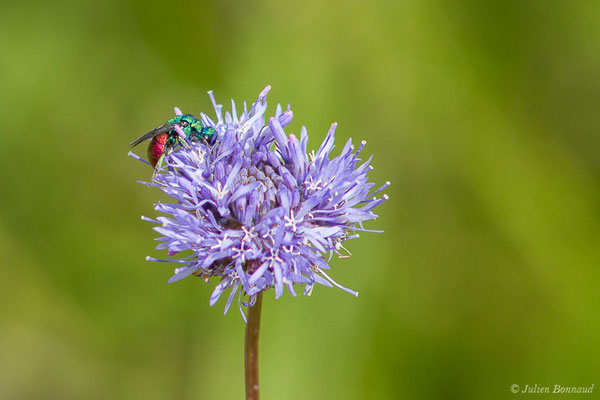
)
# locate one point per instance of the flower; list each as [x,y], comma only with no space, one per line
[258,211]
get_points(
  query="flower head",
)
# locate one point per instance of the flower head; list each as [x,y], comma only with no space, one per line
[256,210]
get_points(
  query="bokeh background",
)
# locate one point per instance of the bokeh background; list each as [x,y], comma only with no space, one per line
[483,115]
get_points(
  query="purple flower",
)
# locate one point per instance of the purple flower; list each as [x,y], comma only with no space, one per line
[257,210]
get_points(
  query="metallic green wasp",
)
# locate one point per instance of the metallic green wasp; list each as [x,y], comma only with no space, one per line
[165,138]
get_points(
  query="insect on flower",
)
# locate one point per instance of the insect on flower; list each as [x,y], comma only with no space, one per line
[257,210]
[166,137]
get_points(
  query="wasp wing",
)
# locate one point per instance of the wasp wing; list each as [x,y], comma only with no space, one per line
[154,132]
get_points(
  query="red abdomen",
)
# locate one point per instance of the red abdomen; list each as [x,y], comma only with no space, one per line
[156,148]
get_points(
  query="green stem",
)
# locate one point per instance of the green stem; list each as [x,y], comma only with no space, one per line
[251,349]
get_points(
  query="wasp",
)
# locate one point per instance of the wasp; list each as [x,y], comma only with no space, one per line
[165,138]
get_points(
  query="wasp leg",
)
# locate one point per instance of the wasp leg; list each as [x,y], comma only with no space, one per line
[158,166]
[185,143]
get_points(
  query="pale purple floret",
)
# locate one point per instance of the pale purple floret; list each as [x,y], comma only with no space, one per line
[256,209]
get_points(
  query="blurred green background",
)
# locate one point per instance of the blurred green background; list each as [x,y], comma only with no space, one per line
[483,115]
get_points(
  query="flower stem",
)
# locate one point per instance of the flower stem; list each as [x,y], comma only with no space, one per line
[251,345]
